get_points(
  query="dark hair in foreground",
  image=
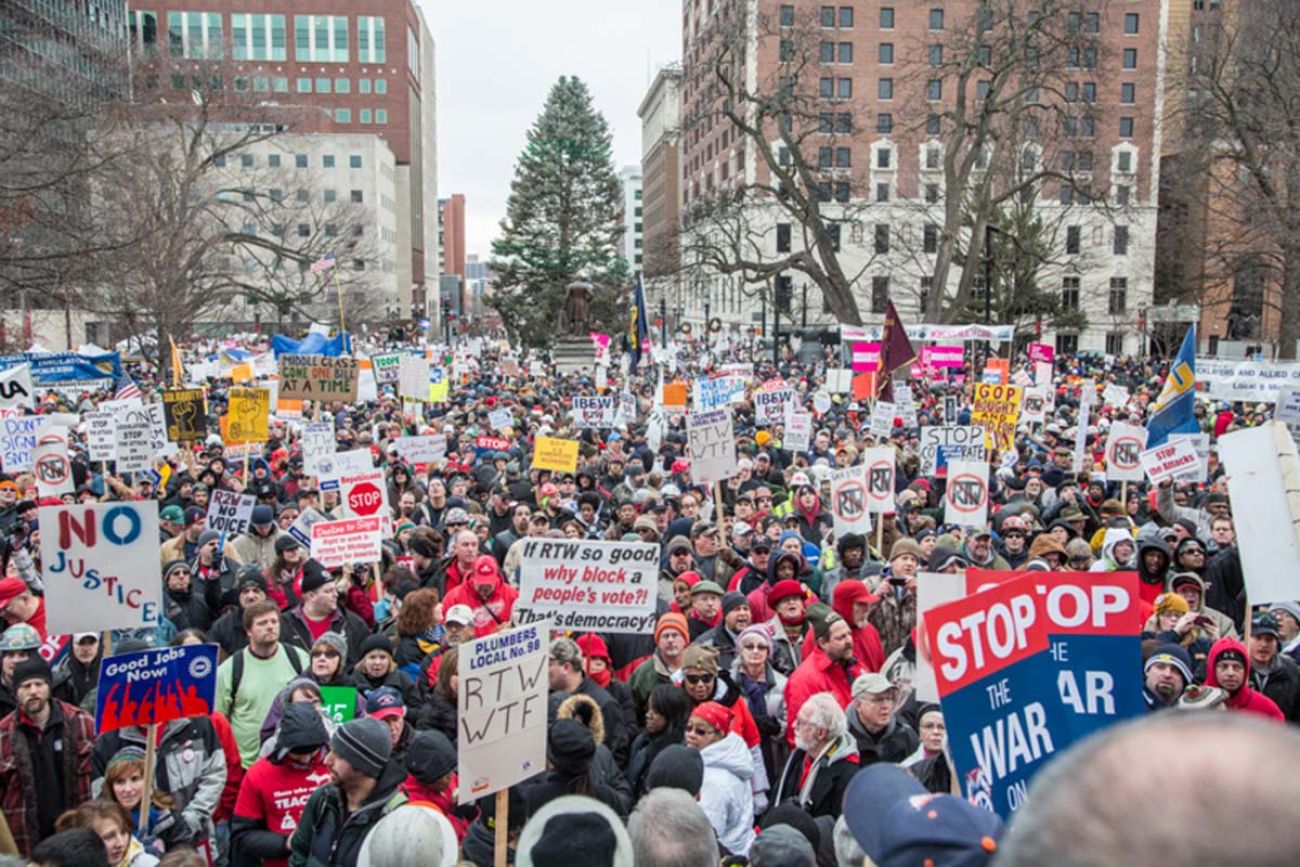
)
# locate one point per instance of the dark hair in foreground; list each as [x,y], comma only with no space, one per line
[80,847]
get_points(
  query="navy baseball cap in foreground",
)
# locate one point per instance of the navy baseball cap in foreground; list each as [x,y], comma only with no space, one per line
[900,824]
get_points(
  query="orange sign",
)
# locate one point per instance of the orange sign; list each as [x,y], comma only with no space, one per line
[675,394]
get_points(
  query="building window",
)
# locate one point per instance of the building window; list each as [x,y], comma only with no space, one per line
[846,16]
[842,192]
[273,161]
[826,55]
[381,85]
[879,294]
[355,196]
[354,161]
[882,238]
[1121,241]
[933,124]
[1124,161]
[1126,127]
[1128,93]
[828,16]
[143,27]
[931,238]
[1132,22]
[304,85]
[934,89]
[833,236]
[936,55]
[327,161]
[787,15]
[324,85]
[884,123]
[1122,194]
[364,116]
[783,237]
[1090,92]
[886,52]
[1130,58]
[246,161]
[885,89]
[343,115]
[194,35]
[843,158]
[936,19]
[1115,343]
[257,37]
[844,88]
[363,85]
[844,122]
[886,17]
[1070,295]
[300,161]
[320,38]
[882,192]
[884,158]
[280,84]
[1067,344]
[931,194]
[1073,239]
[331,196]
[301,196]
[381,115]
[1117,301]
[370,39]
[825,156]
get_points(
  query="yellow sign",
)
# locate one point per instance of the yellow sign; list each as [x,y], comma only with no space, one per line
[554,454]
[997,408]
[438,385]
[241,373]
[250,409]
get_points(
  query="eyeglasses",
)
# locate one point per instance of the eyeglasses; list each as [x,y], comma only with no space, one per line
[696,679]
[753,646]
[700,730]
[324,654]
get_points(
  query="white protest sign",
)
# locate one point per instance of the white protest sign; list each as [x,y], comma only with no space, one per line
[966,499]
[229,512]
[839,380]
[50,462]
[589,586]
[712,445]
[134,435]
[318,443]
[413,378]
[593,412]
[101,436]
[1088,392]
[386,367]
[500,419]
[1081,440]
[956,442]
[932,590]
[1033,405]
[16,390]
[501,710]
[1169,460]
[1201,443]
[300,529]
[100,565]
[1288,410]
[1043,374]
[879,463]
[333,467]
[1114,395]
[849,500]
[17,440]
[798,431]
[717,391]
[351,540]
[1124,446]
[1261,468]
[770,406]
[364,494]
[426,449]
[162,446]
[602,377]
[1254,381]
[882,419]
[906,404]
[821,403]
[1021,377]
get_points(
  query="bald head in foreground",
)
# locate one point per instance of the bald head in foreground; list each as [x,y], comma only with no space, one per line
[1192,789]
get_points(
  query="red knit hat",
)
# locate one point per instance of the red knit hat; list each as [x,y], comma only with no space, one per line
[593,647]
[714,714]
[782,589]
[672,620]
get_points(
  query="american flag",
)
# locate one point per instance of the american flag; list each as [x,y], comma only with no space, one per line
[324,263]
[126,388]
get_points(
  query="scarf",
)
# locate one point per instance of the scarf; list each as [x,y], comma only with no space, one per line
[602,677]
[755,695]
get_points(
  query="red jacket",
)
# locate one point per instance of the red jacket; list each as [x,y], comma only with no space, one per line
[867,649]
[17,775]
[490,613]
[817,673]
[1246,698]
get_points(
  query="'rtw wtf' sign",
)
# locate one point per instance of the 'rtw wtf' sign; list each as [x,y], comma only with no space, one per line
[101,567]
[589,586]
[712,445]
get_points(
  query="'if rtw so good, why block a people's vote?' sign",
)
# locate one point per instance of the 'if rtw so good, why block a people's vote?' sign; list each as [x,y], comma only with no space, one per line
[589,586]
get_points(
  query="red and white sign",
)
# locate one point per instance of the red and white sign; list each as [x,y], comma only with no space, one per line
[351,540]
[849,500]
[1172,459]
[495,444]
[966,500]
[880,478]
[363,494]
[1124,446]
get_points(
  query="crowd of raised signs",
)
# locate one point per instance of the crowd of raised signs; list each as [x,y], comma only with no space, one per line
[758,692]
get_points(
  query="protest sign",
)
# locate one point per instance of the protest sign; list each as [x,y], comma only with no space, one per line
[363,494]
[134,435]
[557,455]
[864,386]
[500,419]
[425,449]
[1288,409]
[1033,405]
[882,419]
[351,540]
[674,396]
[300,529]
[593,412]
[439,386]
[880,478]
[1254,381]
[952,442]
[1081,441]
[17,440]
[318,444]
[101,436]
[589,586]
[386,367]
[966,498]
[849,500]
[16,389]
[1022,378]
[717,391]
[997,408]
[996,686]
[59,368]
[1261,467]
[1042,352]
[839,380]
[319,377]
[770,406]
[943,356]
[229,512]
[798,431]
[712,445]
[491,444]
[501,710]
[1043,378]
[1201,443]
[334,466]
[413,378]
[183,415]
[1124,446]
[905,404]
[100,564]
[339,703]
[1114,395]
[1168,460]
[148,687]
[50,462]
[249,414]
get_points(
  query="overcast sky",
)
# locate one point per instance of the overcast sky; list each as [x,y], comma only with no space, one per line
[497,61]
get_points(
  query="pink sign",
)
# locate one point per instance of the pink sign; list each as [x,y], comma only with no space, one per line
[943,356]
[1042,352]
[866,357]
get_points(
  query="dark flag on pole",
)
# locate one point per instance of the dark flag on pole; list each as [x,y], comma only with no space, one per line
[895,352]
[638,330]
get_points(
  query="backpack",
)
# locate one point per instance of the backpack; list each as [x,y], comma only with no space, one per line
[237,669]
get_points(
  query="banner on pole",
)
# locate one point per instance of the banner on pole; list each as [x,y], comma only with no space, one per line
[966,497]
[183,415]
[849,500]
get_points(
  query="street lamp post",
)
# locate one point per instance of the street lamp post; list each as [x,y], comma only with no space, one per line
[707,339]
[803,316]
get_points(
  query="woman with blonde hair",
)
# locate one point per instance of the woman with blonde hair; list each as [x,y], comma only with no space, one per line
[113,825]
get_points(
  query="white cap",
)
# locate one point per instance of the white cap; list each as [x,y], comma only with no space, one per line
[461,615]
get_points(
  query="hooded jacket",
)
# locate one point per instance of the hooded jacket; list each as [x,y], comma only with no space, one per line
[1246,698]
[725,795]
[491,612]
[1226,627]
[329,836]
[1108,561]
[867,647]
[759,608]
[1151,583]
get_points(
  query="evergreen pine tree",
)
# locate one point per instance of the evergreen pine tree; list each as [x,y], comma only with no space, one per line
[563,220]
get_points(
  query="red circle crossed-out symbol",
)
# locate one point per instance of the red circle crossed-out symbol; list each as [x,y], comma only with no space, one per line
[967,493]
[1133,451]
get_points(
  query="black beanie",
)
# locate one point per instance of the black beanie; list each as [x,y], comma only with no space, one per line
[796,817]
[570,747]
[430,756]
[575,838]
[377,641]
[314,576]
[33,667]
[733,600]
[423,547]
[677,767]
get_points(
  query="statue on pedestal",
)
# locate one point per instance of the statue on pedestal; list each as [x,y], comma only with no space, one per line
[574,318]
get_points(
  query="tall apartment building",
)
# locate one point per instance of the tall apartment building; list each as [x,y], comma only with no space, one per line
[366,67]
[451,236]
[66,50]
[881,83]
[630,178]
[661,119]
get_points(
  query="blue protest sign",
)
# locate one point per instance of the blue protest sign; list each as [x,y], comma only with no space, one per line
[155,686]
[57,368]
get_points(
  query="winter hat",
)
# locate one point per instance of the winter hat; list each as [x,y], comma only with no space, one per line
[251,576]
[1171,603]
[716,715]
[1172,654]
[733,600]
[905,546]
[365,744]
[593,646]
[677,543]
[430,756]
[672,620]
[423,547]
[301,729]
[285,543]
[413,835]
[335,641]
[172,567]
[677,767]
[822,625]
[376,641]
[208,536]
[700,657]
[758,630]
[32,667]
[781,846]
[791,815]
[263,516]
[570,747]
[574,829]
[781,589]
[314,576]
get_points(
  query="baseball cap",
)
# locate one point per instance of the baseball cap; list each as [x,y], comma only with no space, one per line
[870,794]
[174,514]
[385,702]
[939,830]
[1265,624]
[461,615]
